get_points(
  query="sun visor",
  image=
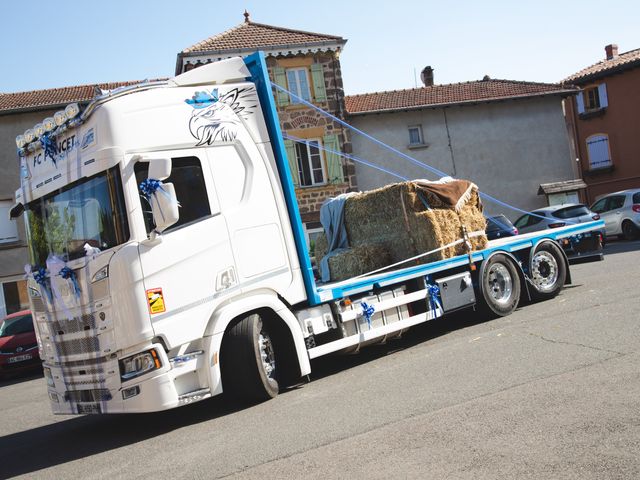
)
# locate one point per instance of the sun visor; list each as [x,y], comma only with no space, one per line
[225,71]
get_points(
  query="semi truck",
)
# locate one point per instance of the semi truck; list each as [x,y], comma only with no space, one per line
[168,260]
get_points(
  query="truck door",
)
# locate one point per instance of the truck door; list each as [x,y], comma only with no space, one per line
[192,266]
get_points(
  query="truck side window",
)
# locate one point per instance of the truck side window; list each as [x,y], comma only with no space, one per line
[188,180]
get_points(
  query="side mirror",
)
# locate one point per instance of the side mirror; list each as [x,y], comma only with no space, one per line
[159,168]
[164,205]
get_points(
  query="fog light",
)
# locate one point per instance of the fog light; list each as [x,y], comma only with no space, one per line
[130,392]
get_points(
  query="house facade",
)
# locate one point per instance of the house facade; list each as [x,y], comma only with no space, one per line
[306,64]
[508,137]
[603,117]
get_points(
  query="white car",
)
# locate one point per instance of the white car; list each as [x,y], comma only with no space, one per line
[620,212]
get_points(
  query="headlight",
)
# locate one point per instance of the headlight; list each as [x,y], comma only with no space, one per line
[34,292]
[49,377]
[139,364]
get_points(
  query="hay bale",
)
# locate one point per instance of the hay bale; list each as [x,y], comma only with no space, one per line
[357,261]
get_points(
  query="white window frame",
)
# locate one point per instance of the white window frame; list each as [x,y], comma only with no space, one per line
[593,151]
[418,128]
[294,83]
[8,228]
[308,232]
[307,144]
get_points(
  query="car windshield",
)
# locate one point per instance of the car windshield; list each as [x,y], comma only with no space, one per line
[89,211]
[499,222]
[16,325]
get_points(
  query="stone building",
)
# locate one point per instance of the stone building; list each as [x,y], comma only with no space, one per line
[306,64]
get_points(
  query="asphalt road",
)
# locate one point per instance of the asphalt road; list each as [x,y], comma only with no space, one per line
[552,391]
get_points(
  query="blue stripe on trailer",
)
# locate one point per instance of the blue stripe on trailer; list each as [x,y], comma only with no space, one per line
[259,75]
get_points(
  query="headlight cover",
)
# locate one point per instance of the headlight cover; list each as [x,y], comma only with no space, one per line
[139,364]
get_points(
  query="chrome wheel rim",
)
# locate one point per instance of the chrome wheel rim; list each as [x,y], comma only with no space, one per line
[544,270]
[500,283]
[266,354]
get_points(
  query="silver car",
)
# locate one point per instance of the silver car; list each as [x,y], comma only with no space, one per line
[555,216]
[620,212]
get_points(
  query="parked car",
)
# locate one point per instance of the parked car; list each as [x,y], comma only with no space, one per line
[582,245]
[18,344]
[500,226]
[620,212]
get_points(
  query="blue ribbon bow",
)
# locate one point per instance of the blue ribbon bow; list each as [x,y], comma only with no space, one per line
[40,276]
[69,274]
[367,312]
[50,147]
[434,301]
[149,187]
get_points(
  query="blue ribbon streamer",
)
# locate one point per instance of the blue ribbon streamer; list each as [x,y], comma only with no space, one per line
[40,276]
[50,147]
[367,312]
[149,187]
[69,274]
[434,301]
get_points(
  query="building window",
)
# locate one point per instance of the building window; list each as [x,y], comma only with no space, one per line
[598,150]
[592,99]
[310,163]
[188,180]
[8,228]
[298,81]
[415,135]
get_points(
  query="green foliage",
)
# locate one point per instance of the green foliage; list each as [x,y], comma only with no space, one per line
[51,234]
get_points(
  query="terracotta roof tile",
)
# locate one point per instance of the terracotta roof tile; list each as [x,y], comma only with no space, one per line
[621,61]
[54,97]
[256,35]
[455,93]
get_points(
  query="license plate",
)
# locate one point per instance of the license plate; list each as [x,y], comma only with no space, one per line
[20,358]
[89,408]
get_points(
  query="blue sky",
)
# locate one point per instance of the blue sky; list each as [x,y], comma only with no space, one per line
[71,42]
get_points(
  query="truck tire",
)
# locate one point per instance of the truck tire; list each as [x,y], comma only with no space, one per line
[500,284]
[248,360]
[548,271]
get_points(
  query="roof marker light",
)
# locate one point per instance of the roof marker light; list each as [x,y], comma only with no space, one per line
[49,124]
[38,129]
[60,118]
[20,141]
[72,110]
[29,135]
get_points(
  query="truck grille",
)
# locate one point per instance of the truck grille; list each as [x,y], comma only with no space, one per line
[78,346]
[77,324]
[95,395]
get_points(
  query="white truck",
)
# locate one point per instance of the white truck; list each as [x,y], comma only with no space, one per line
[144,306]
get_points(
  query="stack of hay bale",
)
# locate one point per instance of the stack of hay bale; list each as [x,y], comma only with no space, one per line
[402,220]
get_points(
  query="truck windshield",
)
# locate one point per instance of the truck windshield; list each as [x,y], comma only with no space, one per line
[89,211]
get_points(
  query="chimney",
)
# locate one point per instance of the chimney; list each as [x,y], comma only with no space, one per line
[612,51]
[427,76]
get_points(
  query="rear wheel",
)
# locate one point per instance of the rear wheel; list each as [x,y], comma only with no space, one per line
[629,230]
[248,360]
[548,271]
[500,286]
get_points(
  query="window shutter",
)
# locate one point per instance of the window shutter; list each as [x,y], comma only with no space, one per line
[293,161]
[317,75]
[280,79]
[335,172]
[580,101]
[602,93]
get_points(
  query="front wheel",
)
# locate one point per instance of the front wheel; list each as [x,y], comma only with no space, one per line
[548,271]
[500,285]
[249,361]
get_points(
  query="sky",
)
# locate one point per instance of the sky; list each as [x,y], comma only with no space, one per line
[50,44]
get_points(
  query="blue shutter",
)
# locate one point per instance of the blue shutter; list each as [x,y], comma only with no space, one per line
[317,76]
[602,93]
[335,172]
[580,102]
[280,79]
[293,161]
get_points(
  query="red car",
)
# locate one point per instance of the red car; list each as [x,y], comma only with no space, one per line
[18,345]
